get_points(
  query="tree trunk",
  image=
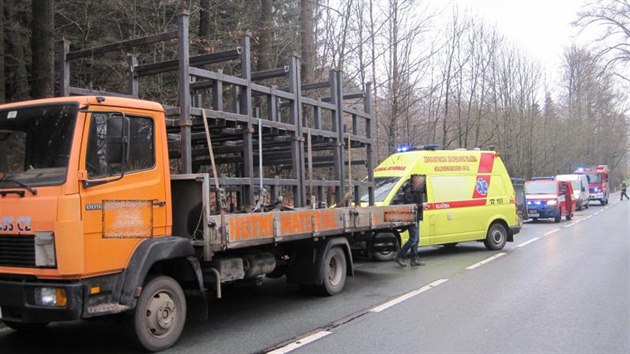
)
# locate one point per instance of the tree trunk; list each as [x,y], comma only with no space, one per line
[307,12]
[204,18]
[266,35]
[3,94]
[17,78]
[42,48]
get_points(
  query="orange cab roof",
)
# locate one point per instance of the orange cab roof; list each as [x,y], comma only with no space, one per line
[93,100]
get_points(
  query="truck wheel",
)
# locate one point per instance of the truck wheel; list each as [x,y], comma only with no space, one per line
[160,313]
[25,327]
[334,265]
[558,216]
[496,237]
[385,256]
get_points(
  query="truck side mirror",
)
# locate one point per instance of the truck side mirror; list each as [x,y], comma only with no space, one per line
[117,140]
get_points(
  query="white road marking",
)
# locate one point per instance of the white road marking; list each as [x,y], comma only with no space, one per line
[300,342]
[568,225]
[597,213]
[489,259]
[528,242]
[5,329]
[407,296]
[551,232]
[588,217]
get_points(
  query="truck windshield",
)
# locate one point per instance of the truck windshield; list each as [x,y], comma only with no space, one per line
[382,187]
[540,187]
[35,144]
[594,178]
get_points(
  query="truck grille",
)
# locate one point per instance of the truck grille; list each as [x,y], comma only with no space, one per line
[17,251]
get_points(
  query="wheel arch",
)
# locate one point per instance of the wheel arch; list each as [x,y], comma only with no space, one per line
[170,256]
[501,220]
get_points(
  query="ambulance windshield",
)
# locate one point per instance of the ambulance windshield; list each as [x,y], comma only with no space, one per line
[382,187]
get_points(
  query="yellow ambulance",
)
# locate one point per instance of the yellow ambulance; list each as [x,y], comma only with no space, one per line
[469,196]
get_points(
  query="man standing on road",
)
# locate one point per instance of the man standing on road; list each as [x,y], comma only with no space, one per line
[413,195]
[623,190]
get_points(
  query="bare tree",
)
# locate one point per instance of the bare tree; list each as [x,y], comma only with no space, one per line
[613,16]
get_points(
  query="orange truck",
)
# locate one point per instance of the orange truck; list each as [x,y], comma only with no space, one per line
[95,224]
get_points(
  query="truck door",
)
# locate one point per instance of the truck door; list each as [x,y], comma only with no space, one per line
[122,202]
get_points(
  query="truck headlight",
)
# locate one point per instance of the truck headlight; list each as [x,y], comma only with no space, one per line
[45,249]
[50,297]
[551,202]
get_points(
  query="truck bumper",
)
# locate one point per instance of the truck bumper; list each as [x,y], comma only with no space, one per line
[17,302]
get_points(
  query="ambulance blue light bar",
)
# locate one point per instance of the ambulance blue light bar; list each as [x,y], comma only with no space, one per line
[407,147]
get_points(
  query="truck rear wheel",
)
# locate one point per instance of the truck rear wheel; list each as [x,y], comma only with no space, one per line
[334,271]
[496,237]
[160,313]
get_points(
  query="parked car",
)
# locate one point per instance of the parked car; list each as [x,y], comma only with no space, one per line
[549,199]
[579,182]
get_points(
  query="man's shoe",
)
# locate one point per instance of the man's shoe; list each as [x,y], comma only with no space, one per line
[400,261]
[416,262]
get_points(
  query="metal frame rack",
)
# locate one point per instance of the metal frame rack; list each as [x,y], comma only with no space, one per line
[266,139]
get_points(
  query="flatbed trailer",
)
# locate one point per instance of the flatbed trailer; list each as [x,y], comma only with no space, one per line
[111,204]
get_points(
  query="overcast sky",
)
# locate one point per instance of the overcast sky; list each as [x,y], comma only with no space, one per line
[541,28]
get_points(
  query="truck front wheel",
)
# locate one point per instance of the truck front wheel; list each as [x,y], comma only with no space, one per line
[334,270]
[159,317]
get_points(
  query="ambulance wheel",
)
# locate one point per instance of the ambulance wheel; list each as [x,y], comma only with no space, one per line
[496,237]
[334,271]
[386,256]
[558,216]
[159,316]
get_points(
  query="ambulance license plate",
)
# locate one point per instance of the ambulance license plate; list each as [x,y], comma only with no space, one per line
[532,213]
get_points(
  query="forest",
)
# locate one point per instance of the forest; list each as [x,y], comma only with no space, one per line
[457,83]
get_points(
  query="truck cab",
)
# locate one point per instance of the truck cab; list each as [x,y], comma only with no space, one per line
[549,198]
[83,184]
[597,182]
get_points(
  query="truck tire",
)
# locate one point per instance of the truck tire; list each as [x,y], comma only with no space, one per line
[386,256]
[558,216]
[496,237]
[159,316]
[334,271]
[25,327]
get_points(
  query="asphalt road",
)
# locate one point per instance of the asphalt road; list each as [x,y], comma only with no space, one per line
[557,288]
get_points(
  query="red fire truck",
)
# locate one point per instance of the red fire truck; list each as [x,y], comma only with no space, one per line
[597,182]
